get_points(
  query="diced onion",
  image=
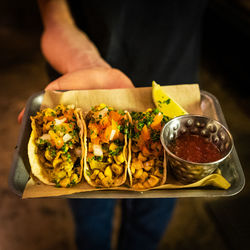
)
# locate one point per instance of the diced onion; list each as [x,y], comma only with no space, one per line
[101,113]
[112,134]
[45,137]
[59,121]
[97,150]
[67,137]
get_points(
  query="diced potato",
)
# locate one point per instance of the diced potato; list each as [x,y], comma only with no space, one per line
[108,172]
[158,173]
[138,173]
[141,157]
[97,164]
[95,173]
[65,182]
[144,176]
[138,186]
[74,178]
[117,169]
[107,181]
[148,164]
[153,181]
[67,165]
[101,175]
[119,158]
[137,164]
[110,159]
[113,146]
[132,169]
[146,184]
[60,174]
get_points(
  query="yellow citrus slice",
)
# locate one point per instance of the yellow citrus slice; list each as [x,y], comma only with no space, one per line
[165,103]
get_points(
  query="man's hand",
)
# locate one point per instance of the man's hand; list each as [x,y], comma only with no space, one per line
[95,78]
[71,53]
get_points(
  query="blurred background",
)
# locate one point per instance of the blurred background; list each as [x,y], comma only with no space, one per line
[197,223]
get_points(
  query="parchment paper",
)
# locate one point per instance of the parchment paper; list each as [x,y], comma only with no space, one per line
[134,99]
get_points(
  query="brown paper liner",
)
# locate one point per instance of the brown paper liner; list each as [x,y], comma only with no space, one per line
[134,99]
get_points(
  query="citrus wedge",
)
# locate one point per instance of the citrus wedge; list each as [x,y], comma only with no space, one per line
[165,103]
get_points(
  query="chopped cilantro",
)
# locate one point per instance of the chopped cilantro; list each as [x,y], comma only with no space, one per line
[88,172]
[167,101]
[155,135]
[65,148]
[116,151]
[121,112]
[155,111]
[97,158]
[58,185]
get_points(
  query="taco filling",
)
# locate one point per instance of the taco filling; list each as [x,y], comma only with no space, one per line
[56,146]
[148,164]
[106,161]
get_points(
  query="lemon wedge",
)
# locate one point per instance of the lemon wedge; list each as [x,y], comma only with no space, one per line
[165,103]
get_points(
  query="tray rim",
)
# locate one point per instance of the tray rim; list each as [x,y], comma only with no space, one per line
[171,193]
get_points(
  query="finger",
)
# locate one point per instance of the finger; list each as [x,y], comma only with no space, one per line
[20,116]
[98,78]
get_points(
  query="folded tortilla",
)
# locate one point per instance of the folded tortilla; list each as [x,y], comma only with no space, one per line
[106,158]
[56,145]
[148,166]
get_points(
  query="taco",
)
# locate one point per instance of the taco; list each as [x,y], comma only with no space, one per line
[147,168]
[107,142]
[56,146]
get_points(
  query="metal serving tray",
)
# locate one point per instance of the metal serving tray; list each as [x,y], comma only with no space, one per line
[210,106]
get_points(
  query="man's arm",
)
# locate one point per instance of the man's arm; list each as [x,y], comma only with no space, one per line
[71,53]
[66,47]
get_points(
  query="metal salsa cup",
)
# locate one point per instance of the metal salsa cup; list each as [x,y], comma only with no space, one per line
[187,171]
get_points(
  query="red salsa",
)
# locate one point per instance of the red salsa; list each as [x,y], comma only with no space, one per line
[195,148]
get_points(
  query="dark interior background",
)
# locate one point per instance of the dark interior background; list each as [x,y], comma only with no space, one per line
[197,223]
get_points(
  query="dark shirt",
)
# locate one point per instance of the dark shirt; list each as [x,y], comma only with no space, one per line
[147,40]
